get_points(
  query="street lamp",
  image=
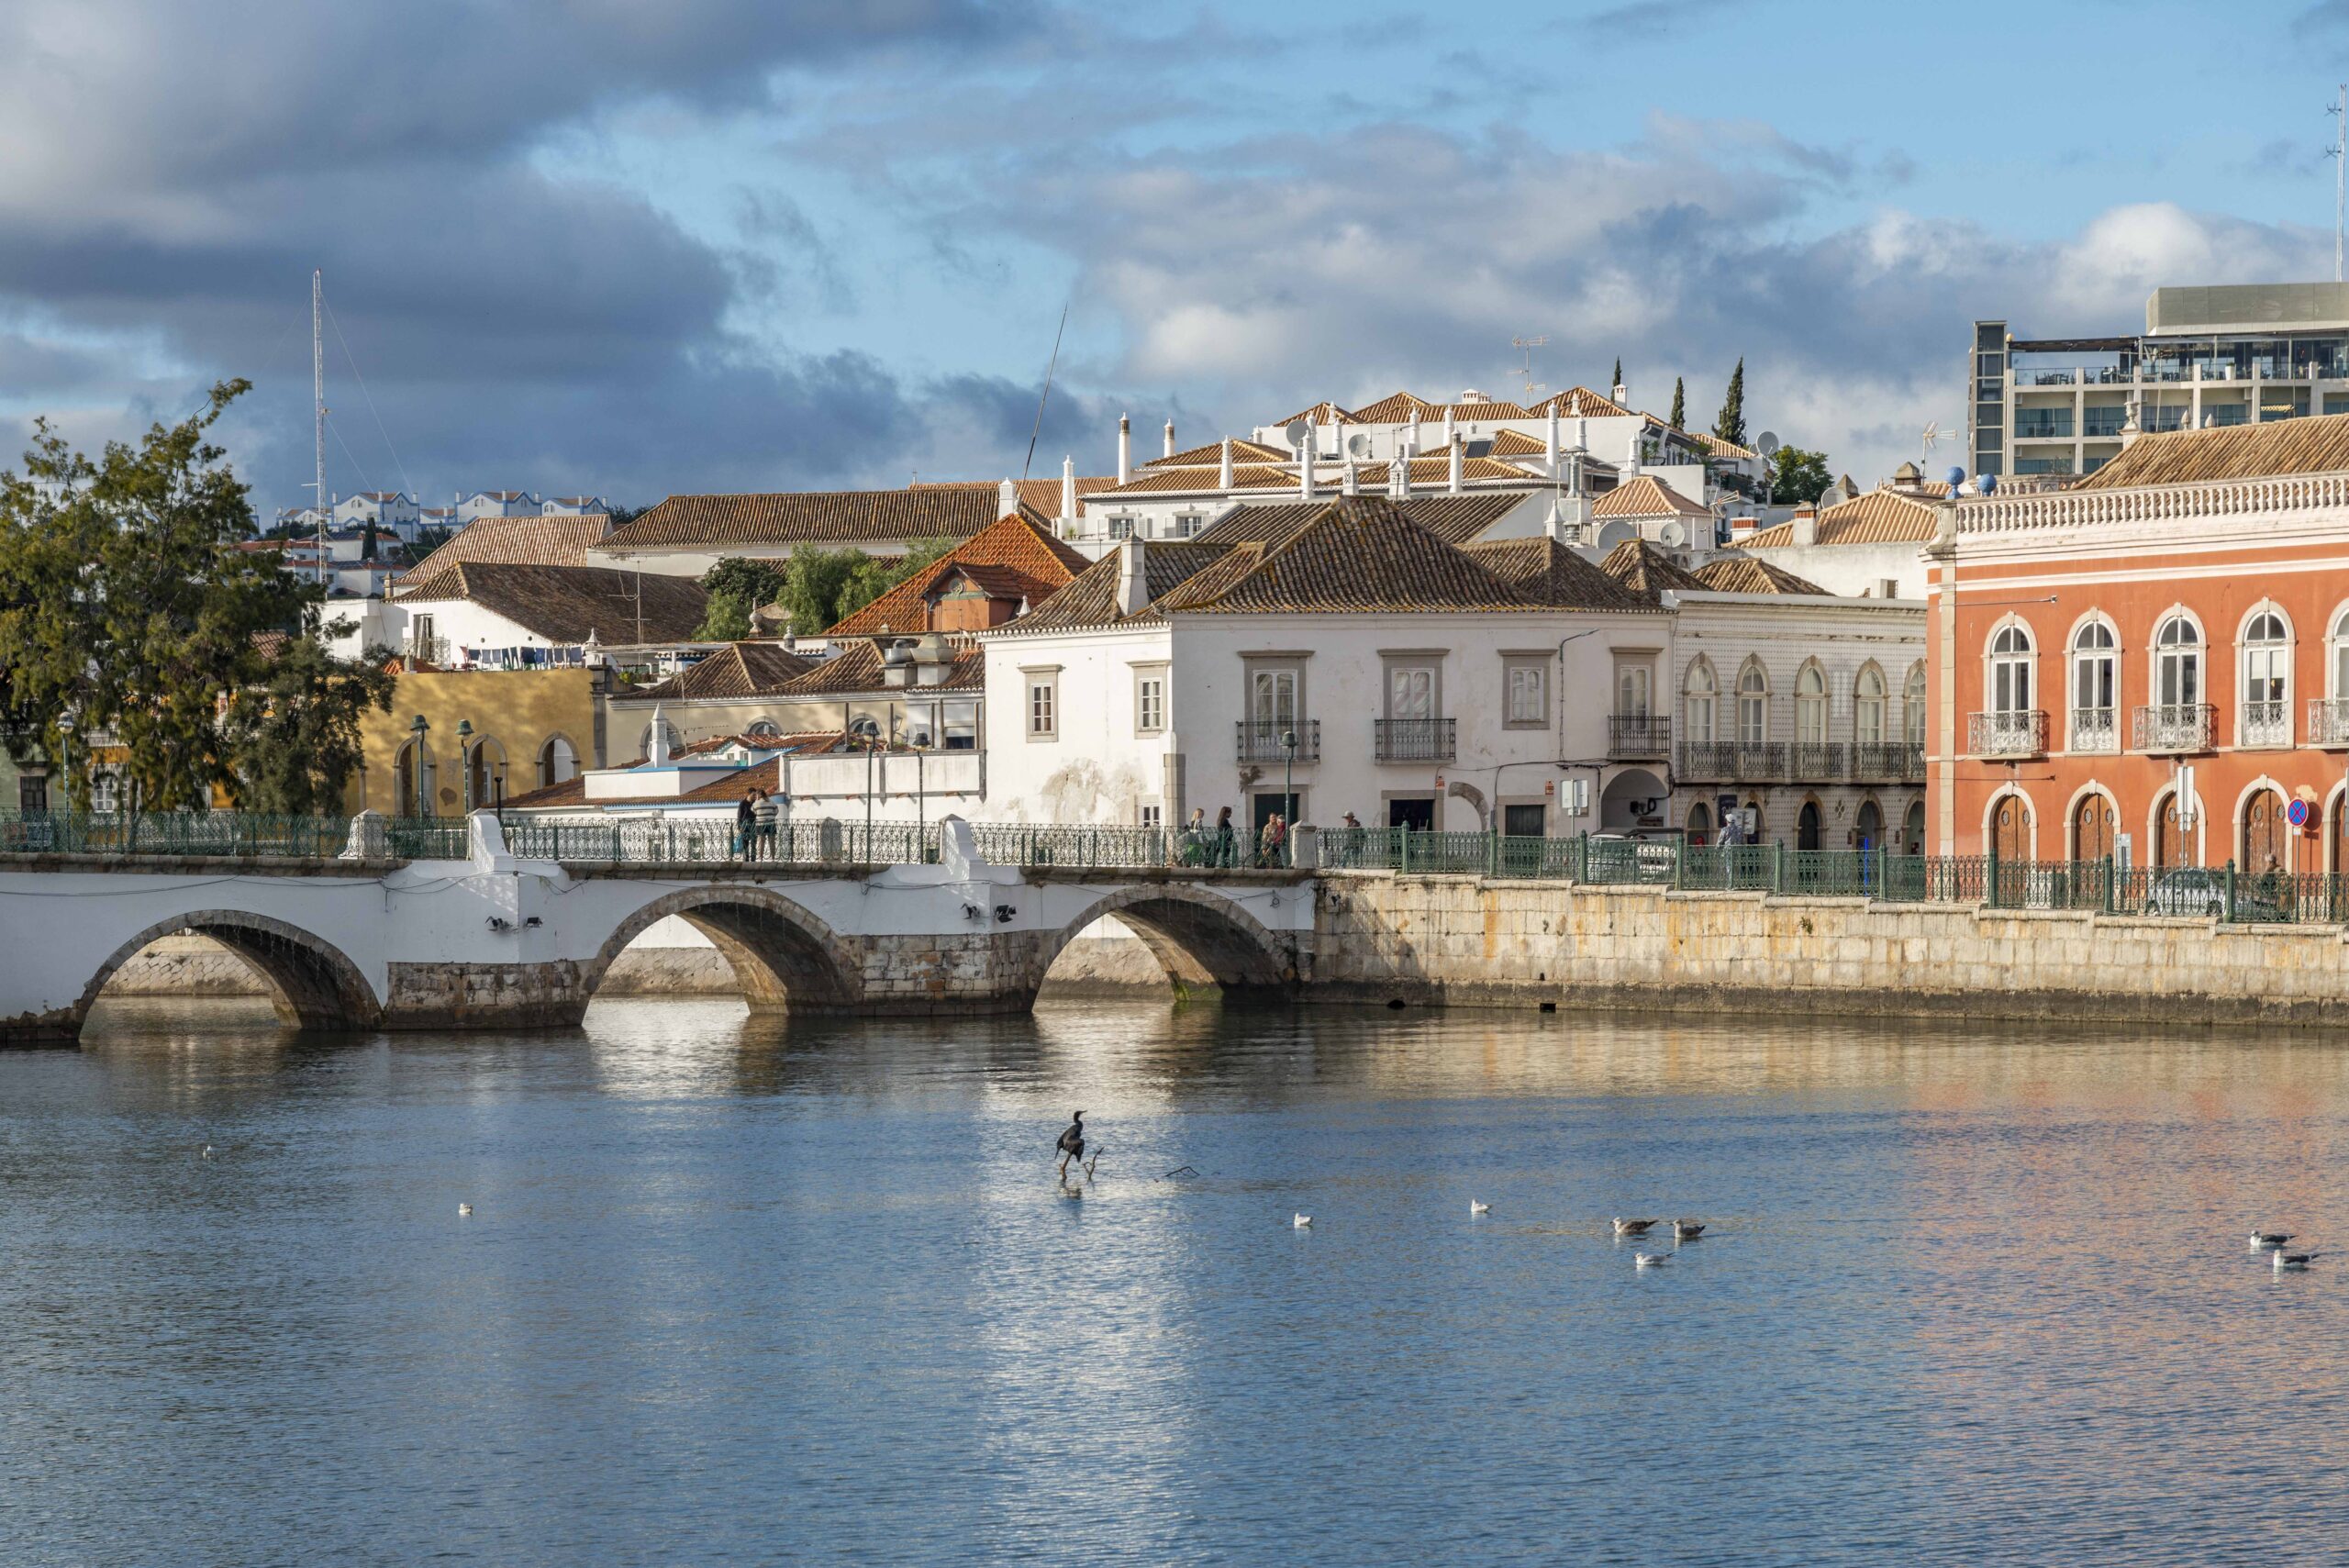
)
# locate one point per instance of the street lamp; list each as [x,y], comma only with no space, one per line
[423,795]
[499,769]
[465,760]
[1288,792]
[66,759]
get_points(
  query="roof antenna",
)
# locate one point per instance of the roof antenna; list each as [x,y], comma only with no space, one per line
[1050,365]
[2339,152]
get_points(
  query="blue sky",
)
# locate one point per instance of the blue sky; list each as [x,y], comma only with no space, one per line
[639,249]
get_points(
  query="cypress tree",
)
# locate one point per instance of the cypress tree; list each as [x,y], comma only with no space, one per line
[1619,376]
[1730,426]
[1679,405]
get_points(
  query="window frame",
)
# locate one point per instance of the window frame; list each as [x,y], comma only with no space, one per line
[1044,678]
[1146,676]
[1534,668]
[1759,695]
[1709,694]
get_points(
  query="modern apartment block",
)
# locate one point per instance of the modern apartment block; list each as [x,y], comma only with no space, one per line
[2240,354]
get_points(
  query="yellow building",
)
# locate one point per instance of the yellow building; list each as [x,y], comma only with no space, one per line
[486,734]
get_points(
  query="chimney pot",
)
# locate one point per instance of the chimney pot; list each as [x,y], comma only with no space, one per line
[1133,593]
[1170,437]
[1125,449]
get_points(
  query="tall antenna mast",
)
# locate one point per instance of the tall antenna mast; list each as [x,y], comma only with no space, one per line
[2340,113]
[318,401]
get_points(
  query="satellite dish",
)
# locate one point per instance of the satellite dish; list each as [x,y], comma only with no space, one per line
[1298,432]
[1767,443]
[1672,534]
[1358,445]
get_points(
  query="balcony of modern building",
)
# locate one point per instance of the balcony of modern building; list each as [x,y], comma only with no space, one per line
[1417,739]
[2008,732]
[2042,424]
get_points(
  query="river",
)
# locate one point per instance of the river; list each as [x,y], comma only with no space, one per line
[742,1290]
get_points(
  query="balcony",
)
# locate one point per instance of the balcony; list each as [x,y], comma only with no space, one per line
[1816,761]
[1887,761]
[2031,430]
[2329,721]
[2094,730]
[2265,726]
[1734,762]
[1417,739]
[2103,424]
[1638,735]
[1260,739]
[2020,732]
[2178,728]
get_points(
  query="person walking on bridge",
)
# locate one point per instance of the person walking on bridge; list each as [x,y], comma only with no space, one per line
[746,824]
[767,811]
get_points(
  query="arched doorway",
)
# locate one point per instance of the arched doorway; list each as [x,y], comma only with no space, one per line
[484,774]
[1869,826]
[1912,836]
[2010,828]
[2169,836]
[558,762]
[1632,799]
[1700,824]
[1806,825]
[2093,828]
[2264,833]
[412,780]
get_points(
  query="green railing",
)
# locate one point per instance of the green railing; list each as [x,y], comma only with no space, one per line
[239,833]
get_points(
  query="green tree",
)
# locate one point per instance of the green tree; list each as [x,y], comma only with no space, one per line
[727,618]
[1679,405]
[1730,426]
[1619,376]
[293,736]
[1797,476]
[755,582]
[127,607]
[813,583]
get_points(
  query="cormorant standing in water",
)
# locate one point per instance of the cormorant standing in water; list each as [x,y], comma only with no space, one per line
[1071,1143]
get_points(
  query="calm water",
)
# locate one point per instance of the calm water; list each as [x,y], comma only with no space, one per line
[749,1293]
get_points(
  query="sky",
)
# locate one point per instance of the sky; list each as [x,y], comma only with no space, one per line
[637,248]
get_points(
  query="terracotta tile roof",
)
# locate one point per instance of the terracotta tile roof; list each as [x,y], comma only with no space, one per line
[1091,599]
[1200,481]
[2311,444]
[1362,554]
[1880,516]
[563,604]
[1545,569]
[857,668]
[1455,519]
[1517,443]
[737,670]
[529,540]
[1645,495]
[1395,409]
[1212,456]
[1640,566]
[1023,544]
[1580,403]
[1042,496]
[1322,413]
[827,517]
[1740,574]
[1711,442]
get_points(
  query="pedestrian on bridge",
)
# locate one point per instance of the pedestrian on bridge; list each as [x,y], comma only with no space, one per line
[746,824]
[767,811]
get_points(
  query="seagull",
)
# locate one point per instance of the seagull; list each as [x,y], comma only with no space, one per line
[1634,1226]
[2294,1260]
[1302,1222]
[464,1210]
[207,1151]
[1476,1208]
[1071,1143]
[2270,1238]
[1648,1261]
[1687,1230]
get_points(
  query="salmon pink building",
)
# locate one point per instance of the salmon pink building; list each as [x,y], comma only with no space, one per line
[2151,662]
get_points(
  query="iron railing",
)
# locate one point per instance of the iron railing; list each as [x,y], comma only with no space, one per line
[2009,732]
[1261,740]
[241,834]
[2173,727]
[1417,739]
[2093,729]
[2263,724]
[1740,761]
[1638,735]
[1811,761]
[1886,762]
[2329,721]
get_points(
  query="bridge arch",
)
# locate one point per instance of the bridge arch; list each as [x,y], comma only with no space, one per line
[782,954]
[312,983]
[1201,939]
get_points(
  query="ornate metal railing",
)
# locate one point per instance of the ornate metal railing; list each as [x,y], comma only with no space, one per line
[1739,761]
[1638,735]
[2014,732]
[1263,740]
[2329,721]
[1417,739]
[2093,729]
[2173,727]
[2263,724]
[1886,762]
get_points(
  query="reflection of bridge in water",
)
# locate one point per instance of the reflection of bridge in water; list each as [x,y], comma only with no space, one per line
[375,937]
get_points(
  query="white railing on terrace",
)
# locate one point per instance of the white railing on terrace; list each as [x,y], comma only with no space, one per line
[2064,508]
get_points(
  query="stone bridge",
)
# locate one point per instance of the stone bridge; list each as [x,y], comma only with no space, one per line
[495,942]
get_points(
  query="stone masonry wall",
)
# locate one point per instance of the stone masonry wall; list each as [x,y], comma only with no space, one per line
[1463,940]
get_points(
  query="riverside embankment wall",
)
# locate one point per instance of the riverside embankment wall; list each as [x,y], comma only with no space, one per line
[1465,941]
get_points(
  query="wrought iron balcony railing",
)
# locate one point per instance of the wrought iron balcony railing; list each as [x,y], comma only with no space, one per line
[2174,727]
[2329,721]
[2265,724]
[1417,739]
[1264,739]
[2094,730]
[2016,732]
[1738,762]
[1818,760]
[1638,735]
[1886,762]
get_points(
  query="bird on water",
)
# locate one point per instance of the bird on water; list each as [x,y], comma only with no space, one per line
[1071,1143]
[2270,1238]
[1634,1226]
[464,1210]
[1302,1222]
[1687,1230]
[2293,1261]
[1476,1208]
[1648,1261]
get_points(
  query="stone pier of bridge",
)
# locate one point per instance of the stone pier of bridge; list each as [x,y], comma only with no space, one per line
[498,942]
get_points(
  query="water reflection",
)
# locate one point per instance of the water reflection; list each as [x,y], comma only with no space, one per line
[742,1288]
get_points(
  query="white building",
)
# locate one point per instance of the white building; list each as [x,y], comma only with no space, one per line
[494,504]
[1870,546]
[505,616]
[391,512]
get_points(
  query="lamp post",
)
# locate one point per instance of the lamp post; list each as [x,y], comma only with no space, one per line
[465,760]
[500,768]
[65,759]
[422,801]
[1288,790]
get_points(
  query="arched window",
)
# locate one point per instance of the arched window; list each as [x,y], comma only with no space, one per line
[2177,663]
[558,763]
[484,775]
[412,780]
[1753,706]
[2096,680]
[669,731]
[763,729]
[2266,717]
[2011,667]
[1700,701]
[2329,720]
[1810,705]
[2340,660]
[1867,708]
[1912,707]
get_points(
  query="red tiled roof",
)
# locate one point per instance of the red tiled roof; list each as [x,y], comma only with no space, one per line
[737,670]
[857,668]
[1211,455]
[827,518]
[1743,574]
[564,604]
[529,540]
[1018,543]
[1880,516]
[1645,495]
[1362,554]
[1639,565]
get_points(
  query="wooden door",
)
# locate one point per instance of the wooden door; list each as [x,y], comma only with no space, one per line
[2011,830]
[2169,849]
[2092,828]
[2263,834]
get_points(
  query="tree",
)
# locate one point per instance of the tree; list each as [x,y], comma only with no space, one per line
[813,583]
[1619,376]
[1797,476]
[727,618]
[127,607]
[1730,426]
[1679,405]
[293,736]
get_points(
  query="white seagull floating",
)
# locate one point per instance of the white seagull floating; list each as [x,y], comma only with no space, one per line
[1634,1226]
[1302,1220]
[1687,1230]
[2293,1261]
[464,1209]
[1476,1208]
[1648,1261]
[207,1151]
[2270,1238]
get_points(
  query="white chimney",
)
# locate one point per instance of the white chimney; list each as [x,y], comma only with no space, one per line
[1448,435]
[1125,449]
[1006,499]
[1170,437]
[1068,489]
[1223,470]
[656,751]
[1134,590]
[1623,394]
[1806,525]
[1552,437]
[1350,484]
[1305,468]
[1631,454]
[1402,471]
[1459,450]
